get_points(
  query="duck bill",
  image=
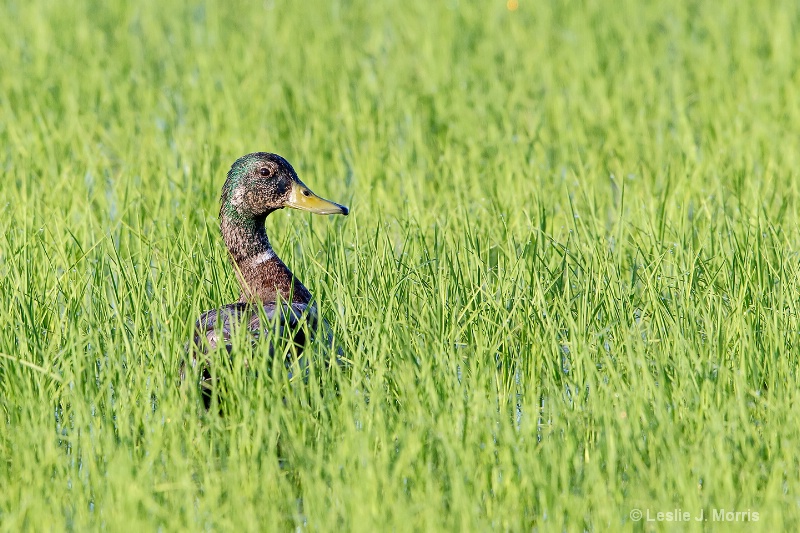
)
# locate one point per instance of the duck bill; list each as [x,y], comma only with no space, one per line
[303,199]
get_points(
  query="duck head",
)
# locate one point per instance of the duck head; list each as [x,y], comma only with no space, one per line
[260,183]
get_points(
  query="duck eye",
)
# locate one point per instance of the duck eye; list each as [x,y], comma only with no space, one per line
[264,171]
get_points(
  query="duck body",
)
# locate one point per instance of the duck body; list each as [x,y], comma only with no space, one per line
[216,326]
[257,185]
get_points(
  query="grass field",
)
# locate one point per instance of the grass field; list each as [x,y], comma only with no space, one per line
[568,288]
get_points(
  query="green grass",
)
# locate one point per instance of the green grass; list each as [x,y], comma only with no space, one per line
[568,287]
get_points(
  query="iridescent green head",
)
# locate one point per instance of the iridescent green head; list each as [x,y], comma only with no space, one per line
[260,183]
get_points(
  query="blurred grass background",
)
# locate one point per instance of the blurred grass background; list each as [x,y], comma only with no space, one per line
[568,286]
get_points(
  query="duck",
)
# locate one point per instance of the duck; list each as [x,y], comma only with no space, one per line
[257,185]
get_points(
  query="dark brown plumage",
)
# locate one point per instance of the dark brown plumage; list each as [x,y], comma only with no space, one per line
[258,184]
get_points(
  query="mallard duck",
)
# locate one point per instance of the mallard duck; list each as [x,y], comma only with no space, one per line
[257,185]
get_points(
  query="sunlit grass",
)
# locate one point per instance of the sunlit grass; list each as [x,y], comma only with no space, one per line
[568,287]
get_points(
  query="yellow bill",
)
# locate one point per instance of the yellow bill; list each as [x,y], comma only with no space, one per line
[302,198]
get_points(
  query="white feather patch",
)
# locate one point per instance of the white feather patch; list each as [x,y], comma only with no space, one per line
[238,197]
[263,257]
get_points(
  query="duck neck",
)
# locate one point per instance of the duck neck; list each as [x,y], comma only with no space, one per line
[262,275]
